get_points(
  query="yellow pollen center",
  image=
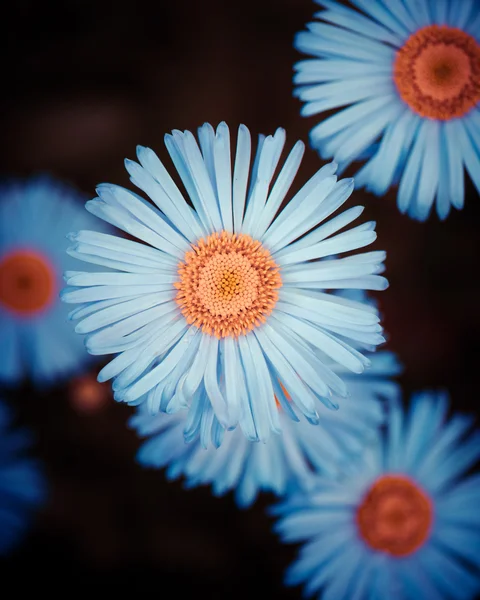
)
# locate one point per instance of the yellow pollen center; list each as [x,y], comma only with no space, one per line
[228,284]
[437,72]
[395,516]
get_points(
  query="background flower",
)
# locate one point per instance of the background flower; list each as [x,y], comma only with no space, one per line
[408,74]
[404,522]
[36,338]
[287,461]
[22,482]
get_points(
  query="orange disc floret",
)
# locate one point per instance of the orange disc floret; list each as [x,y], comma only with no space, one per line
[228,284]
[395,516]
[27,282]
[437,72]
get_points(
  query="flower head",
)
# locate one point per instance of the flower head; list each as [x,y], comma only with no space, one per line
[218,302]
[37,340]
[286,462]
[404,521]
[22,484]
[407,75]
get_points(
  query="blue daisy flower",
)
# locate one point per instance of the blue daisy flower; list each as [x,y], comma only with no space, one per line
[286,462]
[404,523]
[22,483]
[36,338]
[407,74]
[222,300]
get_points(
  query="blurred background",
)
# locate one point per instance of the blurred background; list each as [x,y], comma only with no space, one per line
[84,83]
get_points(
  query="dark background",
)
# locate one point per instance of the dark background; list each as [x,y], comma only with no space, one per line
[83,83]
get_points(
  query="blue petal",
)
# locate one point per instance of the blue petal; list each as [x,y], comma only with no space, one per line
[462,13]
[411,175]
[428,182]
[350,19]
[240,176]
[162,190]
[279,190]
[268,156]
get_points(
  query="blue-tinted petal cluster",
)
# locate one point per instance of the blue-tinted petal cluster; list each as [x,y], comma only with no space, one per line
[434,452]
[36,215]
[354,50]
[130,310]
[287,461]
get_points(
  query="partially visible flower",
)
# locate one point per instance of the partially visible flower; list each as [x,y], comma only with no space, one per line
[22,483]
[220,302]
[405,521]
[37,340]
[406,76]
[87,395]
[285,463]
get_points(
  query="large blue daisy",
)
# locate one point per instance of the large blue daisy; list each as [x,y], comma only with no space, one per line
[286,462]
[37,340]
[219,302]
[22,483]
[404,522]
[407,74]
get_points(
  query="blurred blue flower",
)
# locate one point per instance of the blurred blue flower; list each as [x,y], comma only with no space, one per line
[287,461]
[22,483]
[222,301]
[408,73]
[36,338]
[403,522]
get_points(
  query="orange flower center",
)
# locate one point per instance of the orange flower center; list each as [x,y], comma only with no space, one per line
[437,72]
[228,284]
[27,282]
[395,516]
